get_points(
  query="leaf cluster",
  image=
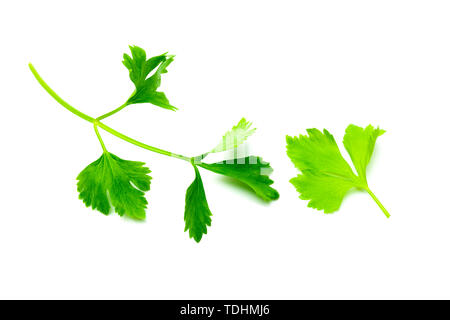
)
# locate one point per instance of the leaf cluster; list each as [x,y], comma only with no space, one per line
[113,184]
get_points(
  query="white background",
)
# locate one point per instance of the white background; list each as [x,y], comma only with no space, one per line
[286,66]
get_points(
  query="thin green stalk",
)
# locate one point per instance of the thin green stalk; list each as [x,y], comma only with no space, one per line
[99,124]
[140,144]
[58,98]
[106,115]
[386,213]
[100,138]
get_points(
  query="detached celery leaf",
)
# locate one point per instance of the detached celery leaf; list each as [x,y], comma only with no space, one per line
[326,176]
[111,181]
[146,87]
[197,215]
[252,171]
[236,136]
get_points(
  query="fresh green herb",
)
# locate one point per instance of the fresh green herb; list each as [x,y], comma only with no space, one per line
[248,171]
[326,176]
[113,183]
[197,215]
[233,138]
[140,68]
[123,181]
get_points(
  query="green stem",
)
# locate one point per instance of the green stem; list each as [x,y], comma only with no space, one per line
[386,213]
[140,144]
[58,98]
[100,138]
[99,124]
[106,115]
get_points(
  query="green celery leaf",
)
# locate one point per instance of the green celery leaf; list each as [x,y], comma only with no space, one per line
[359,144]
[111,181]
[197,215]
[252,171]
[236,136]
[325,176]
[324,191]
[139,68]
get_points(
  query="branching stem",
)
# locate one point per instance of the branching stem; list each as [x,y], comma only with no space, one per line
[97,122]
